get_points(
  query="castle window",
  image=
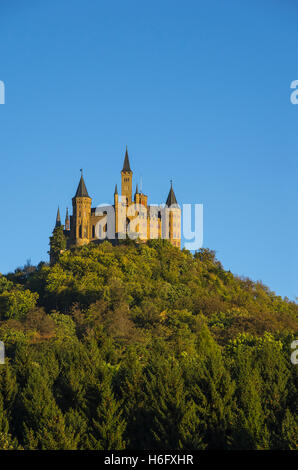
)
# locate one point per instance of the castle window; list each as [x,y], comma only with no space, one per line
[80,231]
[93,231]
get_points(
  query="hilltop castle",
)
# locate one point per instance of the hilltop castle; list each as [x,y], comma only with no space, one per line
[129,216]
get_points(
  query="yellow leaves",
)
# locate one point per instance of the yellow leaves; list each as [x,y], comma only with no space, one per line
[163,315]
[58,279]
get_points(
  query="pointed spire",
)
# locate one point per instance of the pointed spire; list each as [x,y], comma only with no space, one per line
[126,165]
[137,189]
[67,220]
[171,197]
[82,190]
[58,219]
[116,190]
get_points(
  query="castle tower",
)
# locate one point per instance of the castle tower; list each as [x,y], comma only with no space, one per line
[58,219]
[81,203]
[137,195]
[126,180]
[116,205]
[173,219]
[116,195]
[57,240]
[67,221]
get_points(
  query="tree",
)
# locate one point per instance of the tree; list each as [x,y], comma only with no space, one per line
[289,432]
[212,390]
[16,303]
[57,243]
[251,431]
[7,442]
[172,414]
[43,423]
[108,424]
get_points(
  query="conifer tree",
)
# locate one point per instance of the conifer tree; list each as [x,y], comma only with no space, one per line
[289,432]
[44,424]
[57,243]
[130,381]
[174,419]
[250,431]
[7,441]
[108,424]
[8,386]
[274,373]
[212,390]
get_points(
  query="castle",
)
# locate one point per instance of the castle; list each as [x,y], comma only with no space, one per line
[127,216]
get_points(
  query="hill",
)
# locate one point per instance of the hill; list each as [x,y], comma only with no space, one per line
[144,346]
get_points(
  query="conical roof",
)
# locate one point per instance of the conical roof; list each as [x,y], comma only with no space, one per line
[171,197]
[82,190]
[126,164]
[58,218]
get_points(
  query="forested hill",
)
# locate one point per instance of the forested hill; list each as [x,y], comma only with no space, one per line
[144,346]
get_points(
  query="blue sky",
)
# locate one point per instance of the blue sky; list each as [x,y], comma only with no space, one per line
[198,90]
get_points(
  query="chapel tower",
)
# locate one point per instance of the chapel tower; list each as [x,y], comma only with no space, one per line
[126,181]
[173,224]
[81,204]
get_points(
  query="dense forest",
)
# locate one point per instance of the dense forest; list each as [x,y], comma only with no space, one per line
[144,346]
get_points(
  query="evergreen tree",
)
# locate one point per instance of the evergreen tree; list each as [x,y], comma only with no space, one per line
[173,415]
[108,424]
[212,390]
[289,432]
[130,382]
[43,422]
[7,441]
[251,431]
[57,243]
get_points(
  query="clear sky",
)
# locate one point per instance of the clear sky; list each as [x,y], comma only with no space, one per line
[198,90]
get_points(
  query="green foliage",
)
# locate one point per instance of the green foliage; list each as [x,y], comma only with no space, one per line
[16,303]
[44,424]
[108,424]
[212,389]
[289,431]
[174,420]
[7,442]
[65,327]
[144,346]
[57,243]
